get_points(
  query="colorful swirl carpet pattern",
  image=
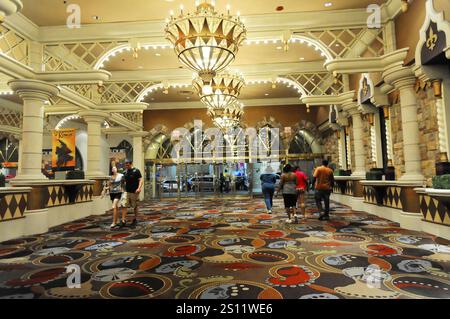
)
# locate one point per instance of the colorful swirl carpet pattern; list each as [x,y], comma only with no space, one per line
[228,249]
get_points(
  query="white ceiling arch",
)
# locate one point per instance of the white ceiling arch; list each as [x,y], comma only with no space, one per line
[288,82]
[74,117]
[324,52]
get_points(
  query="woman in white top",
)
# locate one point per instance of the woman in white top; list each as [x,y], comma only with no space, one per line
[116,182]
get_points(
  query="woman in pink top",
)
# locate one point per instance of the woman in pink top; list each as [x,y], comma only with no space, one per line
[302,182]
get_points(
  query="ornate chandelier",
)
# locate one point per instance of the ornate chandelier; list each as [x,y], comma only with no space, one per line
[223,90]
[205,41]
[228,117]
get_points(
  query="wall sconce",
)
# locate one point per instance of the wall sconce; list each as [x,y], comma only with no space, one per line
[437,88]
[347,131]
[335,77]
[405,5]
[100,87]
[386,112]
[136,47]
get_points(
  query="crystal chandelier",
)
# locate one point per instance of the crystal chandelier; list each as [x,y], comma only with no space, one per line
[228,117]
[223,90]
[205,41]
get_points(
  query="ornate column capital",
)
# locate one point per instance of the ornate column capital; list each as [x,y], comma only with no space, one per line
[33,89]
[94,116]
[351,107]
[9,7]
[399,76]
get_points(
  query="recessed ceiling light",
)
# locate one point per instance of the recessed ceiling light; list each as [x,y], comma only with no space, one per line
[158,54]
[279,48]
[302,58]
[96,18]
[328,4]
[267,94]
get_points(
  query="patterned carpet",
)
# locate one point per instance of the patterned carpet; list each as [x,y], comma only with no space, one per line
[229,249]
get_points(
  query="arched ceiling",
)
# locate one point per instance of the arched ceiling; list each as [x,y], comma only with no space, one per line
[112,11]
[251,54]
[249,92]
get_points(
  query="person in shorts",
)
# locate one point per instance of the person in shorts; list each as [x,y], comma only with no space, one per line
[133,188]
[288,188]
[115,187]
[302,187]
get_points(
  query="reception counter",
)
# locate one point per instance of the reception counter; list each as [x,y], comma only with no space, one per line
[33,207]
[348,185]
[45,194]
[393,194]
[407,203]
[435,205]
[13,202]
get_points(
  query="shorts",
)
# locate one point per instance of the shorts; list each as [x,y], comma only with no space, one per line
[290,200]
[116,198]
[131,200]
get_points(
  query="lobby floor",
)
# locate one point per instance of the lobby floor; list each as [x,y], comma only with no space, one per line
[218,248]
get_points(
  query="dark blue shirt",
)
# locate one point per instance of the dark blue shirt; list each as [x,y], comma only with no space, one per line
[268,178]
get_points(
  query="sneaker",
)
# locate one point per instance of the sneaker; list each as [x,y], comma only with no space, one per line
[123,223]
[269,212]
[114,227]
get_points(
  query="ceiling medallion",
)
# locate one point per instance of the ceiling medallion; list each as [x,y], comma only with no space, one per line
[205,41]
[223,90]
[227,118]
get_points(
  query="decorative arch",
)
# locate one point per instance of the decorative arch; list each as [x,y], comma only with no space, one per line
[296,85]
[122,48]
[314,43]
[317,45]
[74,117]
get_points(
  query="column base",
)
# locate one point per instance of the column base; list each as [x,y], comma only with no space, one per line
[34,178]
[412,178]
[96,175]
[359,174]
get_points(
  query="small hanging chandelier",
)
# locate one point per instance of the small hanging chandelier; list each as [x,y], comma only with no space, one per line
[205,41]
[227,118]
[223,90]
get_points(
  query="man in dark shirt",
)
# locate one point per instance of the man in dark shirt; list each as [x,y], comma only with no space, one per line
[133,188]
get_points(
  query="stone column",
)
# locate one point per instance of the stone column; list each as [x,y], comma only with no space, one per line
[138,154]
[351,108]
[404,80]
[94,120]
[34,95]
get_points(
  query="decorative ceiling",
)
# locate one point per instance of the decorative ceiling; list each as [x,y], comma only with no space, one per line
[53,12]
